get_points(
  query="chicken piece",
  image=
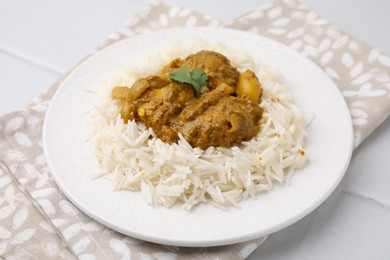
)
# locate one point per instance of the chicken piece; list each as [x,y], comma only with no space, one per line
[215,65]
[226,123]
[205,101]
[217,118]
[159,107]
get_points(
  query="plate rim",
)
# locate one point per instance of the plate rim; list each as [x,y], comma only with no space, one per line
[206,243]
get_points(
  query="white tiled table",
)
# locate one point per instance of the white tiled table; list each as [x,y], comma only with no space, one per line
[41,39]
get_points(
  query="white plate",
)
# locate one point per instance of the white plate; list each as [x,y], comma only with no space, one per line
[329,146]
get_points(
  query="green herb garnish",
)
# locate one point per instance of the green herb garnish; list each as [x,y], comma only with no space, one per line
[196,78]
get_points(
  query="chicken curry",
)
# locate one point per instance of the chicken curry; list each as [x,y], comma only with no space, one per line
[202,96]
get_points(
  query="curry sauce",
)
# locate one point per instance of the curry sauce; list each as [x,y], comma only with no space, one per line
[225,113]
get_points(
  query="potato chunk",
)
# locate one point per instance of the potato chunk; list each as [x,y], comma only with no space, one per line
[121,93]
[249,86]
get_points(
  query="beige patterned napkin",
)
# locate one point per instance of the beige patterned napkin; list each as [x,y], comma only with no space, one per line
[361,73]
[37,220]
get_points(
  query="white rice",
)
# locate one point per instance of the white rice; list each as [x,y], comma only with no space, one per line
[133,158]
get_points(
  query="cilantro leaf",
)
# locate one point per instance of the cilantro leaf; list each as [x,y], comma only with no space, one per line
[182,75]
[196,78]
[200,77]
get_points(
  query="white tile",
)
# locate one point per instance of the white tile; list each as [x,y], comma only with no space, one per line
[368,173]
[59,33]
[344,227]
[4,2]
[21,82]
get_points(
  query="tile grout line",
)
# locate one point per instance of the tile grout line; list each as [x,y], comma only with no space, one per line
[30,60]
[367,199]
[37,63]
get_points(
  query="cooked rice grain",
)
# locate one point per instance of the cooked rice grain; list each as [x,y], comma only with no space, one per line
[134,158]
